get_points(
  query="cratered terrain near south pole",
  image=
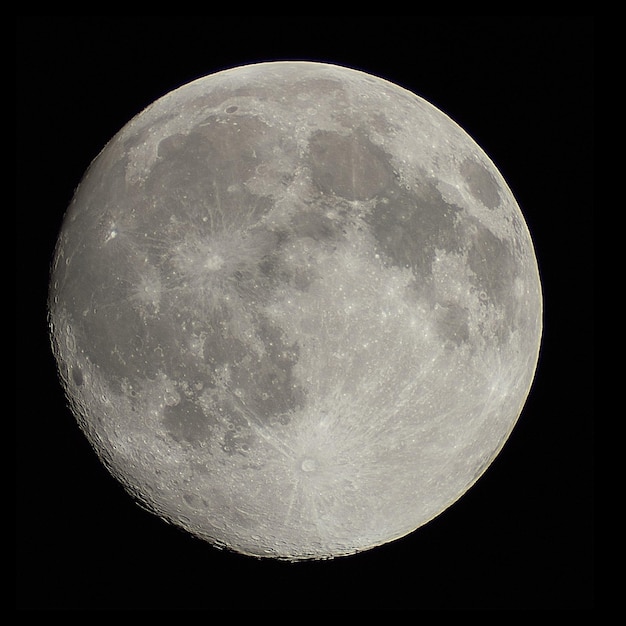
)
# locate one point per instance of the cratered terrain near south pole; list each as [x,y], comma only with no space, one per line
[296,309]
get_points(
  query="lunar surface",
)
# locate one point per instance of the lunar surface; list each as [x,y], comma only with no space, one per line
[296,310]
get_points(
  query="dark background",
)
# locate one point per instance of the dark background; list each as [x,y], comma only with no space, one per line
[523,536]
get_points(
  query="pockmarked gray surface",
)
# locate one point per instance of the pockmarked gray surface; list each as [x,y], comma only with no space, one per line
[296,309]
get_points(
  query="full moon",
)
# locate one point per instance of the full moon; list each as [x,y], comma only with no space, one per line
[296,310]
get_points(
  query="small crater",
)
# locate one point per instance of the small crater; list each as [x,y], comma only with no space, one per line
[213,262]
[308,465]
[193,500]
[232,108]
[171,397]
[77,376]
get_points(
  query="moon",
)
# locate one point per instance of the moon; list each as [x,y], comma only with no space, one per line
[296,310]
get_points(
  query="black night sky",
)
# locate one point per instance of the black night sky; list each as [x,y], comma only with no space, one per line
[522,537]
